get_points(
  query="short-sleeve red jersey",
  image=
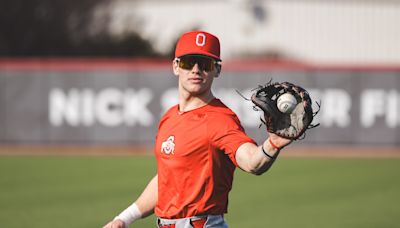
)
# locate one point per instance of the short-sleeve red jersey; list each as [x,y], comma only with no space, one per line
[195,154]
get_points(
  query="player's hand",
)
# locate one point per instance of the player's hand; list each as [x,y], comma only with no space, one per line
[115,224]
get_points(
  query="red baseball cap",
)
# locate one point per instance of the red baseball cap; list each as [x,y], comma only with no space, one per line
[198,43]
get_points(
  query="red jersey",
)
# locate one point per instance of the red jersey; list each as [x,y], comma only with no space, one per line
[195,154]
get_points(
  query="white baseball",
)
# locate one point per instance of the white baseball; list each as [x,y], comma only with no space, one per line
[286,103]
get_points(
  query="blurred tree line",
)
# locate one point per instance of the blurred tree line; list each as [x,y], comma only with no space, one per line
[64,28]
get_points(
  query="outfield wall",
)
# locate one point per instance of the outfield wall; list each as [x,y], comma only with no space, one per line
[119,102]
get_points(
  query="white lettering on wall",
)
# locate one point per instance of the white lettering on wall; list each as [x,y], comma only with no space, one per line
[109,107]
[392,109]
[136,111]
[64,107]
[335,107]
[87,115]
[379,103]
[116,107]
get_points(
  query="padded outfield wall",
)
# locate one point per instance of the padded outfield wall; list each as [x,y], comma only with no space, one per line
[119,102]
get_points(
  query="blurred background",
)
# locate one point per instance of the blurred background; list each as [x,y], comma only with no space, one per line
[93,77]
[83,72]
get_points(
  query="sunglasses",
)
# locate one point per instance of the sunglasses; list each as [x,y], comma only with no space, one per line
[187,62]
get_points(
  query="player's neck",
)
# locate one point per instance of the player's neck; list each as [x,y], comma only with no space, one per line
[189,102]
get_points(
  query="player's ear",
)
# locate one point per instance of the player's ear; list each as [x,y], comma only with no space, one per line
[219,68]
[175,67]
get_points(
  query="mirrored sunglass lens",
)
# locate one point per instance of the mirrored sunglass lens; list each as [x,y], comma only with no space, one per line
[204,63]
[186,63]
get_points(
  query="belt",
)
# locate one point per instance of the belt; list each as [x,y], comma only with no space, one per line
[196,223]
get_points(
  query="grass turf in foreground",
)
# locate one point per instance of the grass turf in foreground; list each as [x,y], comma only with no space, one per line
[297,192]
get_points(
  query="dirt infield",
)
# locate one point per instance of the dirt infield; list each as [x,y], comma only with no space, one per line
[293,151]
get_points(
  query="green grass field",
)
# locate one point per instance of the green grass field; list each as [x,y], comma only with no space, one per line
[76,191]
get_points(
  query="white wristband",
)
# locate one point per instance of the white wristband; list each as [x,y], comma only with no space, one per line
[130,214]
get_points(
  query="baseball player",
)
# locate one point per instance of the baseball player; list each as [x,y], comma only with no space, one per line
[199,144]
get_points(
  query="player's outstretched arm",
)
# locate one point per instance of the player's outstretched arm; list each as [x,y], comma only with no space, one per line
[143,207]
[258,159]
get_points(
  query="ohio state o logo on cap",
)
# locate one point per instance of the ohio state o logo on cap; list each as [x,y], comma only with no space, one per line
[200,39]
[198,43]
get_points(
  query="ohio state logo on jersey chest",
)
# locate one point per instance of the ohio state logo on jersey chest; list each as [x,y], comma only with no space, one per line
[168,146]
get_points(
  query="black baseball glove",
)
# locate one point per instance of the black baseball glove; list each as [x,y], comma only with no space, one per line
[292,124]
